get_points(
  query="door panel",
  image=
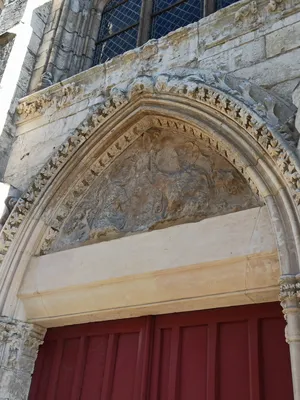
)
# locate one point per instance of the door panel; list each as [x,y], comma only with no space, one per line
[233,360]
[274,360]
[222,354]
[192,368]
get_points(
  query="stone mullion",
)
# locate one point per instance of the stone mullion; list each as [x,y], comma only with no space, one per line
[19,344]
[290,301]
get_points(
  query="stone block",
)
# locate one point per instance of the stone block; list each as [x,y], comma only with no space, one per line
[72,21]
[273,71]
[24,79]
[63,59]
[33,147]
[296,101]
[29,61]
[35,79]
[235,58]
[6,45]
[42,59]
[283,40]
[43,11]
[38,25]
[285,89]
[46,41]
[12,15]
[34,43]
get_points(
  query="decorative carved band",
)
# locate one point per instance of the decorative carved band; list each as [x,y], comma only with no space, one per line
[289,287]
[253,109]
[44,101]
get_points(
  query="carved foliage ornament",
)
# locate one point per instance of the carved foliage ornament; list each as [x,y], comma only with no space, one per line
[44,101]
[249,10]
[289,287]
[19,344]
[250,107]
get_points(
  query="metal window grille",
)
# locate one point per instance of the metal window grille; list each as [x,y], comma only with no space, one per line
[118,30]
[169,15]
[224,3]
[126,24]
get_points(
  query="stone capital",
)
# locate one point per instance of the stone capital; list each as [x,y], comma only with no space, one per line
[290,292]
[290,302]
[19,344]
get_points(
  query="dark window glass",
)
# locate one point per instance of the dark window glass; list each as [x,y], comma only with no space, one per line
[124,25]
[224,3]
[160,5]
[118,30]
[116,45]
[169,15]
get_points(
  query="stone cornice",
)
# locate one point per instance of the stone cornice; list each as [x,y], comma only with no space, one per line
[45,100]
[236,99]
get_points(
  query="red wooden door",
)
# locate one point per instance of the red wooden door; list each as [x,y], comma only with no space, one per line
[93,361]
[222,354]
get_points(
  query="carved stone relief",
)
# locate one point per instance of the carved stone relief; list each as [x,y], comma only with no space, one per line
[233,98]
[19,345]
[163,178]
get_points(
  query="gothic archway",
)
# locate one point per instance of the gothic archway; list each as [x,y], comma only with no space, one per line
[243,123]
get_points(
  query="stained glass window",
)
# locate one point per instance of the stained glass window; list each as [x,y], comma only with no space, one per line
[126,24]
[169,15]
[119,29]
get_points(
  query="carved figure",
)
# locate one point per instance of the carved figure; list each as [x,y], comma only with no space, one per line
[162,179]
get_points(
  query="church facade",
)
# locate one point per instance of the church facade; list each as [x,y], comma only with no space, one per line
[150,239]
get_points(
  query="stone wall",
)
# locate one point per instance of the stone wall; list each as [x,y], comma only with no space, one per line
[69,41]
[259,41]
[6,44]
[21,28]
[12,14]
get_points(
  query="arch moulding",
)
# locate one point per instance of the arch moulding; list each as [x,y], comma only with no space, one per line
[243,123]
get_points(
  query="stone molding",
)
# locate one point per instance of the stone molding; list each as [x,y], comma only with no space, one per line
[70,49]
[252,108]
[248,11]
[275,5]
[64,97]
[19,345]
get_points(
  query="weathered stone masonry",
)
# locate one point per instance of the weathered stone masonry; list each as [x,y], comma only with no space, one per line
[82,120]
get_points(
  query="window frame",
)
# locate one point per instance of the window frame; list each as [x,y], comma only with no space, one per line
[209,7]
[145,20]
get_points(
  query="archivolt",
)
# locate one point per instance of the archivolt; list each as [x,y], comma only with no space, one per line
[242,122]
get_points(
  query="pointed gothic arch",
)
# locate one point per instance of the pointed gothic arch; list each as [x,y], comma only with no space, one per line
[242,122]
